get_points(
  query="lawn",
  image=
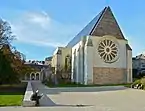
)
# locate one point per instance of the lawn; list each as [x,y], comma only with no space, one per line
[81,85]
[12,95]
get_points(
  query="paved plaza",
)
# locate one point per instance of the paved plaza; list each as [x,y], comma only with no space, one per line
[115,98]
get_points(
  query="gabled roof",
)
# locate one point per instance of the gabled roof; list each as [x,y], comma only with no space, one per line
[103,24]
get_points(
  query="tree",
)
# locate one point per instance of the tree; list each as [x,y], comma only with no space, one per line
[7,74]
[6,35]
[12,65]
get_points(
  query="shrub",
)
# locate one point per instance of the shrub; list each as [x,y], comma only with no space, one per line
[140,81]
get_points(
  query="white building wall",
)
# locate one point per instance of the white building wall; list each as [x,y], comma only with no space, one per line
[98,62]
[92,59]
[73,66]
[129,66]
[58,60]
[78,66]
[88,64]
[65,52]
[81,64]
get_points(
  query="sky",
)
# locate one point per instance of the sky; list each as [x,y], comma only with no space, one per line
[41,26]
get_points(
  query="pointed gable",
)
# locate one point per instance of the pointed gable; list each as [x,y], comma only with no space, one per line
[107,25]
[103,24]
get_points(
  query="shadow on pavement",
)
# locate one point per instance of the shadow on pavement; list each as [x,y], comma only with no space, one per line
[46,101]
[81,89]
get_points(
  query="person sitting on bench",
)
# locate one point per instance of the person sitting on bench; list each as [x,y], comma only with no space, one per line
[36,97]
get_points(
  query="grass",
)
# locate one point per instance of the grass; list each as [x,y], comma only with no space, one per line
[12,95]
[81,85]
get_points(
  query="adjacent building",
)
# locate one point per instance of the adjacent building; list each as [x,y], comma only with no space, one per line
[48,61]
[40,73]
[60,58]
[138,64]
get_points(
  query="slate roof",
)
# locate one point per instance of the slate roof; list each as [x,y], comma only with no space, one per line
[87,30]
[103,24]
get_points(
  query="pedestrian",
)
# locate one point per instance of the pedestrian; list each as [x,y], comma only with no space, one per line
[36,97]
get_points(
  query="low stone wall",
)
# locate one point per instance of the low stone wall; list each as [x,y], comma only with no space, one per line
[27,97]
[104,75]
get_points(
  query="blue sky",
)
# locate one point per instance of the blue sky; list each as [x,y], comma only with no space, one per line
[42,25]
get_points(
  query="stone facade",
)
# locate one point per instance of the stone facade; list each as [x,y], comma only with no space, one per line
[103,28]
[102,75]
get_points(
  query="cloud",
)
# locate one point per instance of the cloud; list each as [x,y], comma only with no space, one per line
[41,19]
[39,28]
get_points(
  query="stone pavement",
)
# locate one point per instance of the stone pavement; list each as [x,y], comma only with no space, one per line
[93,98]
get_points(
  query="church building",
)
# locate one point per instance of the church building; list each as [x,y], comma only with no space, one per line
[99,53]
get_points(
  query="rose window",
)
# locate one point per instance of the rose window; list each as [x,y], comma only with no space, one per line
[108,50]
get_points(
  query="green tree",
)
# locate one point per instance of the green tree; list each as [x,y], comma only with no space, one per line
[17,60]
[7,74]
[12,66]
[6,35]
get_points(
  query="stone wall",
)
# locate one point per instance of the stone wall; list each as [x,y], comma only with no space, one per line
[27,97]
[108,26]
[102,75]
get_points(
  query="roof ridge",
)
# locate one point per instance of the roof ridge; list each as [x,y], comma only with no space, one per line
[87,29]
[102,13]
[92,20]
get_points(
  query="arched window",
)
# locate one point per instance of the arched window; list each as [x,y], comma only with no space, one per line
[37,76]
[32,76]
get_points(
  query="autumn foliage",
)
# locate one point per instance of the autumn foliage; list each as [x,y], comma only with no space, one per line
[12,66]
